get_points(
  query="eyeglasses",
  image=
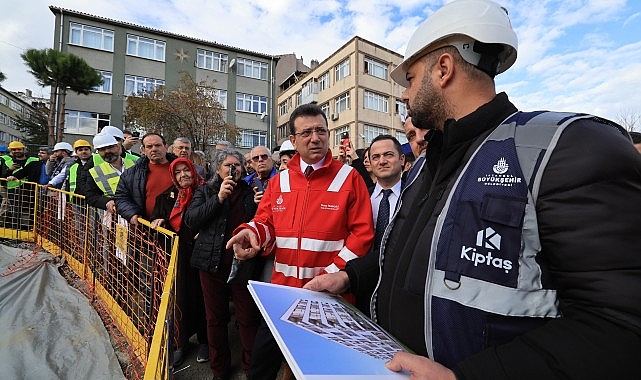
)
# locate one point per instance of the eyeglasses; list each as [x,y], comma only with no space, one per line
[308,132]
[263,157]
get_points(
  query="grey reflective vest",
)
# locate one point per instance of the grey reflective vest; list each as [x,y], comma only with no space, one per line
[483,284]
[106,176]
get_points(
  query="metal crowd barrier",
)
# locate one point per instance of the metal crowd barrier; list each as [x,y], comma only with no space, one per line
[128,272]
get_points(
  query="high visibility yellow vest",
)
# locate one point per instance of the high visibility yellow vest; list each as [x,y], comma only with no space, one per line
[97,160]
[107,178]
[9,161]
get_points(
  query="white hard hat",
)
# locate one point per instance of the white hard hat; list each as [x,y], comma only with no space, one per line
[63,146]
[102,140]
[462,24]
[286,147]
[113,131]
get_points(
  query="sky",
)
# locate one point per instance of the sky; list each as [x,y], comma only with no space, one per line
[573,55]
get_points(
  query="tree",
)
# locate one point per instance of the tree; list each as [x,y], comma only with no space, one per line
[34,126]
[189,110]
[61,71]
[629,120]
[2,77]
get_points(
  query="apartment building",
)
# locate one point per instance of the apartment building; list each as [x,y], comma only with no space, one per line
[354,89]
[134,58]
[13,106]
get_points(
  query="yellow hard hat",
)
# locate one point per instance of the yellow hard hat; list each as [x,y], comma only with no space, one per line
[81,143]
[16,145]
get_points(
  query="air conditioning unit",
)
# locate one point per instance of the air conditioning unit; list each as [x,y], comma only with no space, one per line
[335,116]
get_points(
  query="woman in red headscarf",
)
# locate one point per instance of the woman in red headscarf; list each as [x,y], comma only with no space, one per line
[168,212]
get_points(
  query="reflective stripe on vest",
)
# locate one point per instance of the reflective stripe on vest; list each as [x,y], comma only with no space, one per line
[334,187]
[9,161]
[486,238]
[107,178]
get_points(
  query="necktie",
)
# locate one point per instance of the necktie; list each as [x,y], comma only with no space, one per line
[382,220]
[309,170]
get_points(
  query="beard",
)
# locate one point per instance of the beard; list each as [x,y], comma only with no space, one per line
[430,109]
[110,158]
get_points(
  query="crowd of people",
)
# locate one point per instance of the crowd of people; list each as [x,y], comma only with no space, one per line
[497,244]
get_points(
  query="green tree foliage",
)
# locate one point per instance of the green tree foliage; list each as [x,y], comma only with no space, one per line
[188,110]
[2,77]
[34,126]
[61,71]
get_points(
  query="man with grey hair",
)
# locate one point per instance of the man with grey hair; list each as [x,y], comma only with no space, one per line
[182,148]
[222,145]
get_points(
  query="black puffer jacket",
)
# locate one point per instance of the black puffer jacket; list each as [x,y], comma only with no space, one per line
[131,194]
[588,212]
[207,216]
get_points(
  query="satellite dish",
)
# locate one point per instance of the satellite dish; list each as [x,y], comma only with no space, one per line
[263,116]
[232,63]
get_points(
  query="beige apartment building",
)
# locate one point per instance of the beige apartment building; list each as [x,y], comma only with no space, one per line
[354,89]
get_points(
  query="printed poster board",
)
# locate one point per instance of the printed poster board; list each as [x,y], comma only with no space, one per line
[324,337]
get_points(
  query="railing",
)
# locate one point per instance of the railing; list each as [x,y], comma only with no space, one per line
[128,272]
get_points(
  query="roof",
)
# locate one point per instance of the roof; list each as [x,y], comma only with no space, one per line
[63,11]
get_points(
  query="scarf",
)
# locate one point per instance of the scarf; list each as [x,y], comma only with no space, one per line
[184,194]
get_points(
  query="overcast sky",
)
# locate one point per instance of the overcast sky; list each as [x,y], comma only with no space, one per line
[574,55]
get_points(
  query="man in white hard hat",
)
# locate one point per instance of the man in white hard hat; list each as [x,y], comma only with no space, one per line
[59,163]
[519,258]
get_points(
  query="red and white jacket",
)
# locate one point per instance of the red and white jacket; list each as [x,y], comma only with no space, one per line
[313,225]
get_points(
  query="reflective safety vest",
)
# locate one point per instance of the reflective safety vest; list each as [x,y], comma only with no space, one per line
[8,160]
[482,271]
[73,177]
[107,178]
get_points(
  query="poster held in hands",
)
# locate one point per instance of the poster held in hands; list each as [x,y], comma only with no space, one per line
[322,336]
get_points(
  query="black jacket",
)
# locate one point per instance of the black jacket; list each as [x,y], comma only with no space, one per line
[588,210]
[131,193]
[207,216]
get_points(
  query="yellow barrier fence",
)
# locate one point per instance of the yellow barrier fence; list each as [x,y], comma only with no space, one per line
[127,271]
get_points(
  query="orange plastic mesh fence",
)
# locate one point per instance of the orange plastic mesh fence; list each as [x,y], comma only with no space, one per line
[126,270]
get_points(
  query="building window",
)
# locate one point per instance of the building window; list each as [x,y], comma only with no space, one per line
[249,138]
[251,103]
[401,109]
[16,106]
[283,108]
[299,98]
[323,81]
[145,47]
[211,60]
[282,131]
[342,103]
[106,82]
[85,123]
[376,68]
[252,69]
[341,70]
[325,109]
[221,97]
[371,131]
[91,37]
[375,101]
[4,100]
[337,134]
[3,118]
[400,136]
[140,85]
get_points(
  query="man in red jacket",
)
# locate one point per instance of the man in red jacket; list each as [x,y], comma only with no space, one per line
[314,218]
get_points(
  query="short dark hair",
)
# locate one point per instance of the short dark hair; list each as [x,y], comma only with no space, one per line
[397,144]
[309,109]
[153,134]
[636,137]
